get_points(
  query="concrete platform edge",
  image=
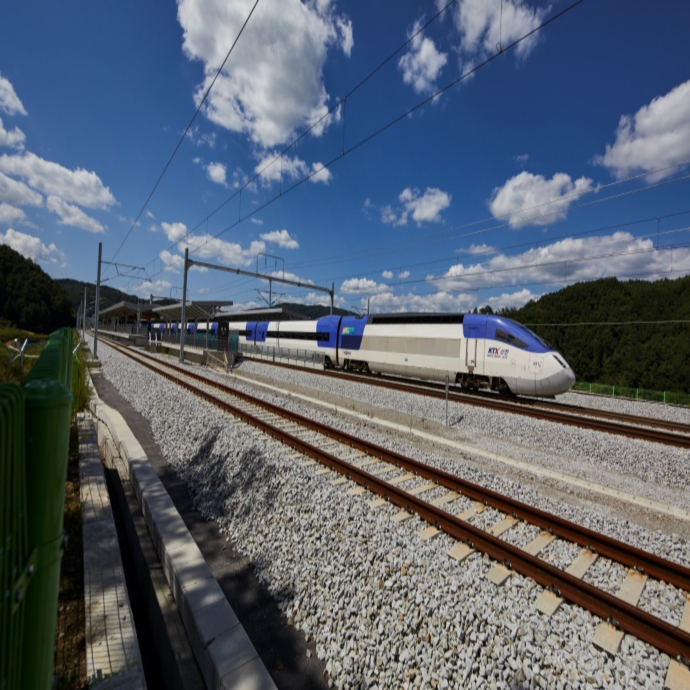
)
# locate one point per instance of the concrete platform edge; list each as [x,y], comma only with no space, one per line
[221,646]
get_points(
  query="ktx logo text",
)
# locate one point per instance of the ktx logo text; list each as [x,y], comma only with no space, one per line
[498,352]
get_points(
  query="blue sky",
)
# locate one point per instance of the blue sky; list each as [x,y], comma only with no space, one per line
[561,160]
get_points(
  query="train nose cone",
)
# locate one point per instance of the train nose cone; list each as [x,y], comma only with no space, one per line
[567,380]
[557,383]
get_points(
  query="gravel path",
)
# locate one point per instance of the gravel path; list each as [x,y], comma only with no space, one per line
[384,608]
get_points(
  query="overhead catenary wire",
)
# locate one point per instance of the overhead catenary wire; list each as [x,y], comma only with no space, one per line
[340,102]
[182,138]
[375,133]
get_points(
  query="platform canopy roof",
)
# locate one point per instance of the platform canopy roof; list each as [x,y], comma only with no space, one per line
[199,310]
[127,310]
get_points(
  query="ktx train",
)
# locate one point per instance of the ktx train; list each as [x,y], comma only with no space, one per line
[473,350]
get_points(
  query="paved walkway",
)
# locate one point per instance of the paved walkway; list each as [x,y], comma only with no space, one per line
[112,649]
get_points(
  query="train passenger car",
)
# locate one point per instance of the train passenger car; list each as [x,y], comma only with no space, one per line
[473,350]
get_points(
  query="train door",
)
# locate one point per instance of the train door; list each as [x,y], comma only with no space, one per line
[471,349]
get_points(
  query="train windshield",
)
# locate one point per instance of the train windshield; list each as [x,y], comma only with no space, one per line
[538,338]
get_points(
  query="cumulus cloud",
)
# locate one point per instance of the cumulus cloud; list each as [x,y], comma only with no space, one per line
[410,302]
[209,248]
[387,275]
[482,25]
[274,83]
[13,139]
[658,135]
[32,248]
[355,286]
[523,198]
[281,238]
[291,276]
[272,168]
[174,231]
[403,274]
[77,186]
[9,101]
[73,216]
[17,193]
[171,262]
[569,260]
[423,208]
[11,214]
[522,159]
[477,249]
[152,288]
[216,173]
[422,64]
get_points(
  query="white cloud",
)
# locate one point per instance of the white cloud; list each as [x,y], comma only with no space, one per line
[320,173]
[569,260]
[403,274]
[174,231]
[9,101]
[150,215]
[281,238]
[256,221]
[483,25]
[171,262]
[355,286]
[277,167]
[422,64]
[658,135]
[522,159]
[439,301]
[13,139]
[11,214]
[477,249]
[71,215]
[273,85]
[152,288]
[291,276]
[387,275]
[32,248]
[216,173]
[206,247]
[76,186]
[425,208]
[17,193]
[531,193]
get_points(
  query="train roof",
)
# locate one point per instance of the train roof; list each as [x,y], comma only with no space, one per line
[418,317]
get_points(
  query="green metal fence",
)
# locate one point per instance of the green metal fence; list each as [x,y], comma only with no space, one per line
[667,397]
[34,446]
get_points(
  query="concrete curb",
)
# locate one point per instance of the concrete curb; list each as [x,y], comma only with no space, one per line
[225,654]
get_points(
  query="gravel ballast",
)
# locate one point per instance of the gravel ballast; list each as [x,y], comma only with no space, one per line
[384,608]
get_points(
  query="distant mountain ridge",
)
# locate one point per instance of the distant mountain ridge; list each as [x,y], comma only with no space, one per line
[29,297]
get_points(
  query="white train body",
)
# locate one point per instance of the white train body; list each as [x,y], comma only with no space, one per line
[476,351]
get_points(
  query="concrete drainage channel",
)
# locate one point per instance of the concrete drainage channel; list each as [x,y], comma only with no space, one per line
[224,654]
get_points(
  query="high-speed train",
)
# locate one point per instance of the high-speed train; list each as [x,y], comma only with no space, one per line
[473,350]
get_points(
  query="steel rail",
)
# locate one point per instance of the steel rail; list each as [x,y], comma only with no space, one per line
[662,635]
[571,417]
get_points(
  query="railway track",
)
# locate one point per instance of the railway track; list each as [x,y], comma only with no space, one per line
[383,472]
[643,428]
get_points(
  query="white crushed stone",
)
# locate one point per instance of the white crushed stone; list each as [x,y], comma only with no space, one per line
[384,608]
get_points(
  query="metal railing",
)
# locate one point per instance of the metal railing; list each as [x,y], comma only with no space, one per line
[34,447]
[283,354]
[665,397]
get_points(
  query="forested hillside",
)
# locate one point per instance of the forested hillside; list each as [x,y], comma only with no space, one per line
[29,298]
[655,356]
[109,295]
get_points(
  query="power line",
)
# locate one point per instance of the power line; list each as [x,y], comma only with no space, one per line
[380,130]
[179,143]
[341,102]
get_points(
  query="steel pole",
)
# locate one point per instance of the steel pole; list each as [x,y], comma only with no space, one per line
[184,304]
[98,299]
[83,323]
[332,293]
